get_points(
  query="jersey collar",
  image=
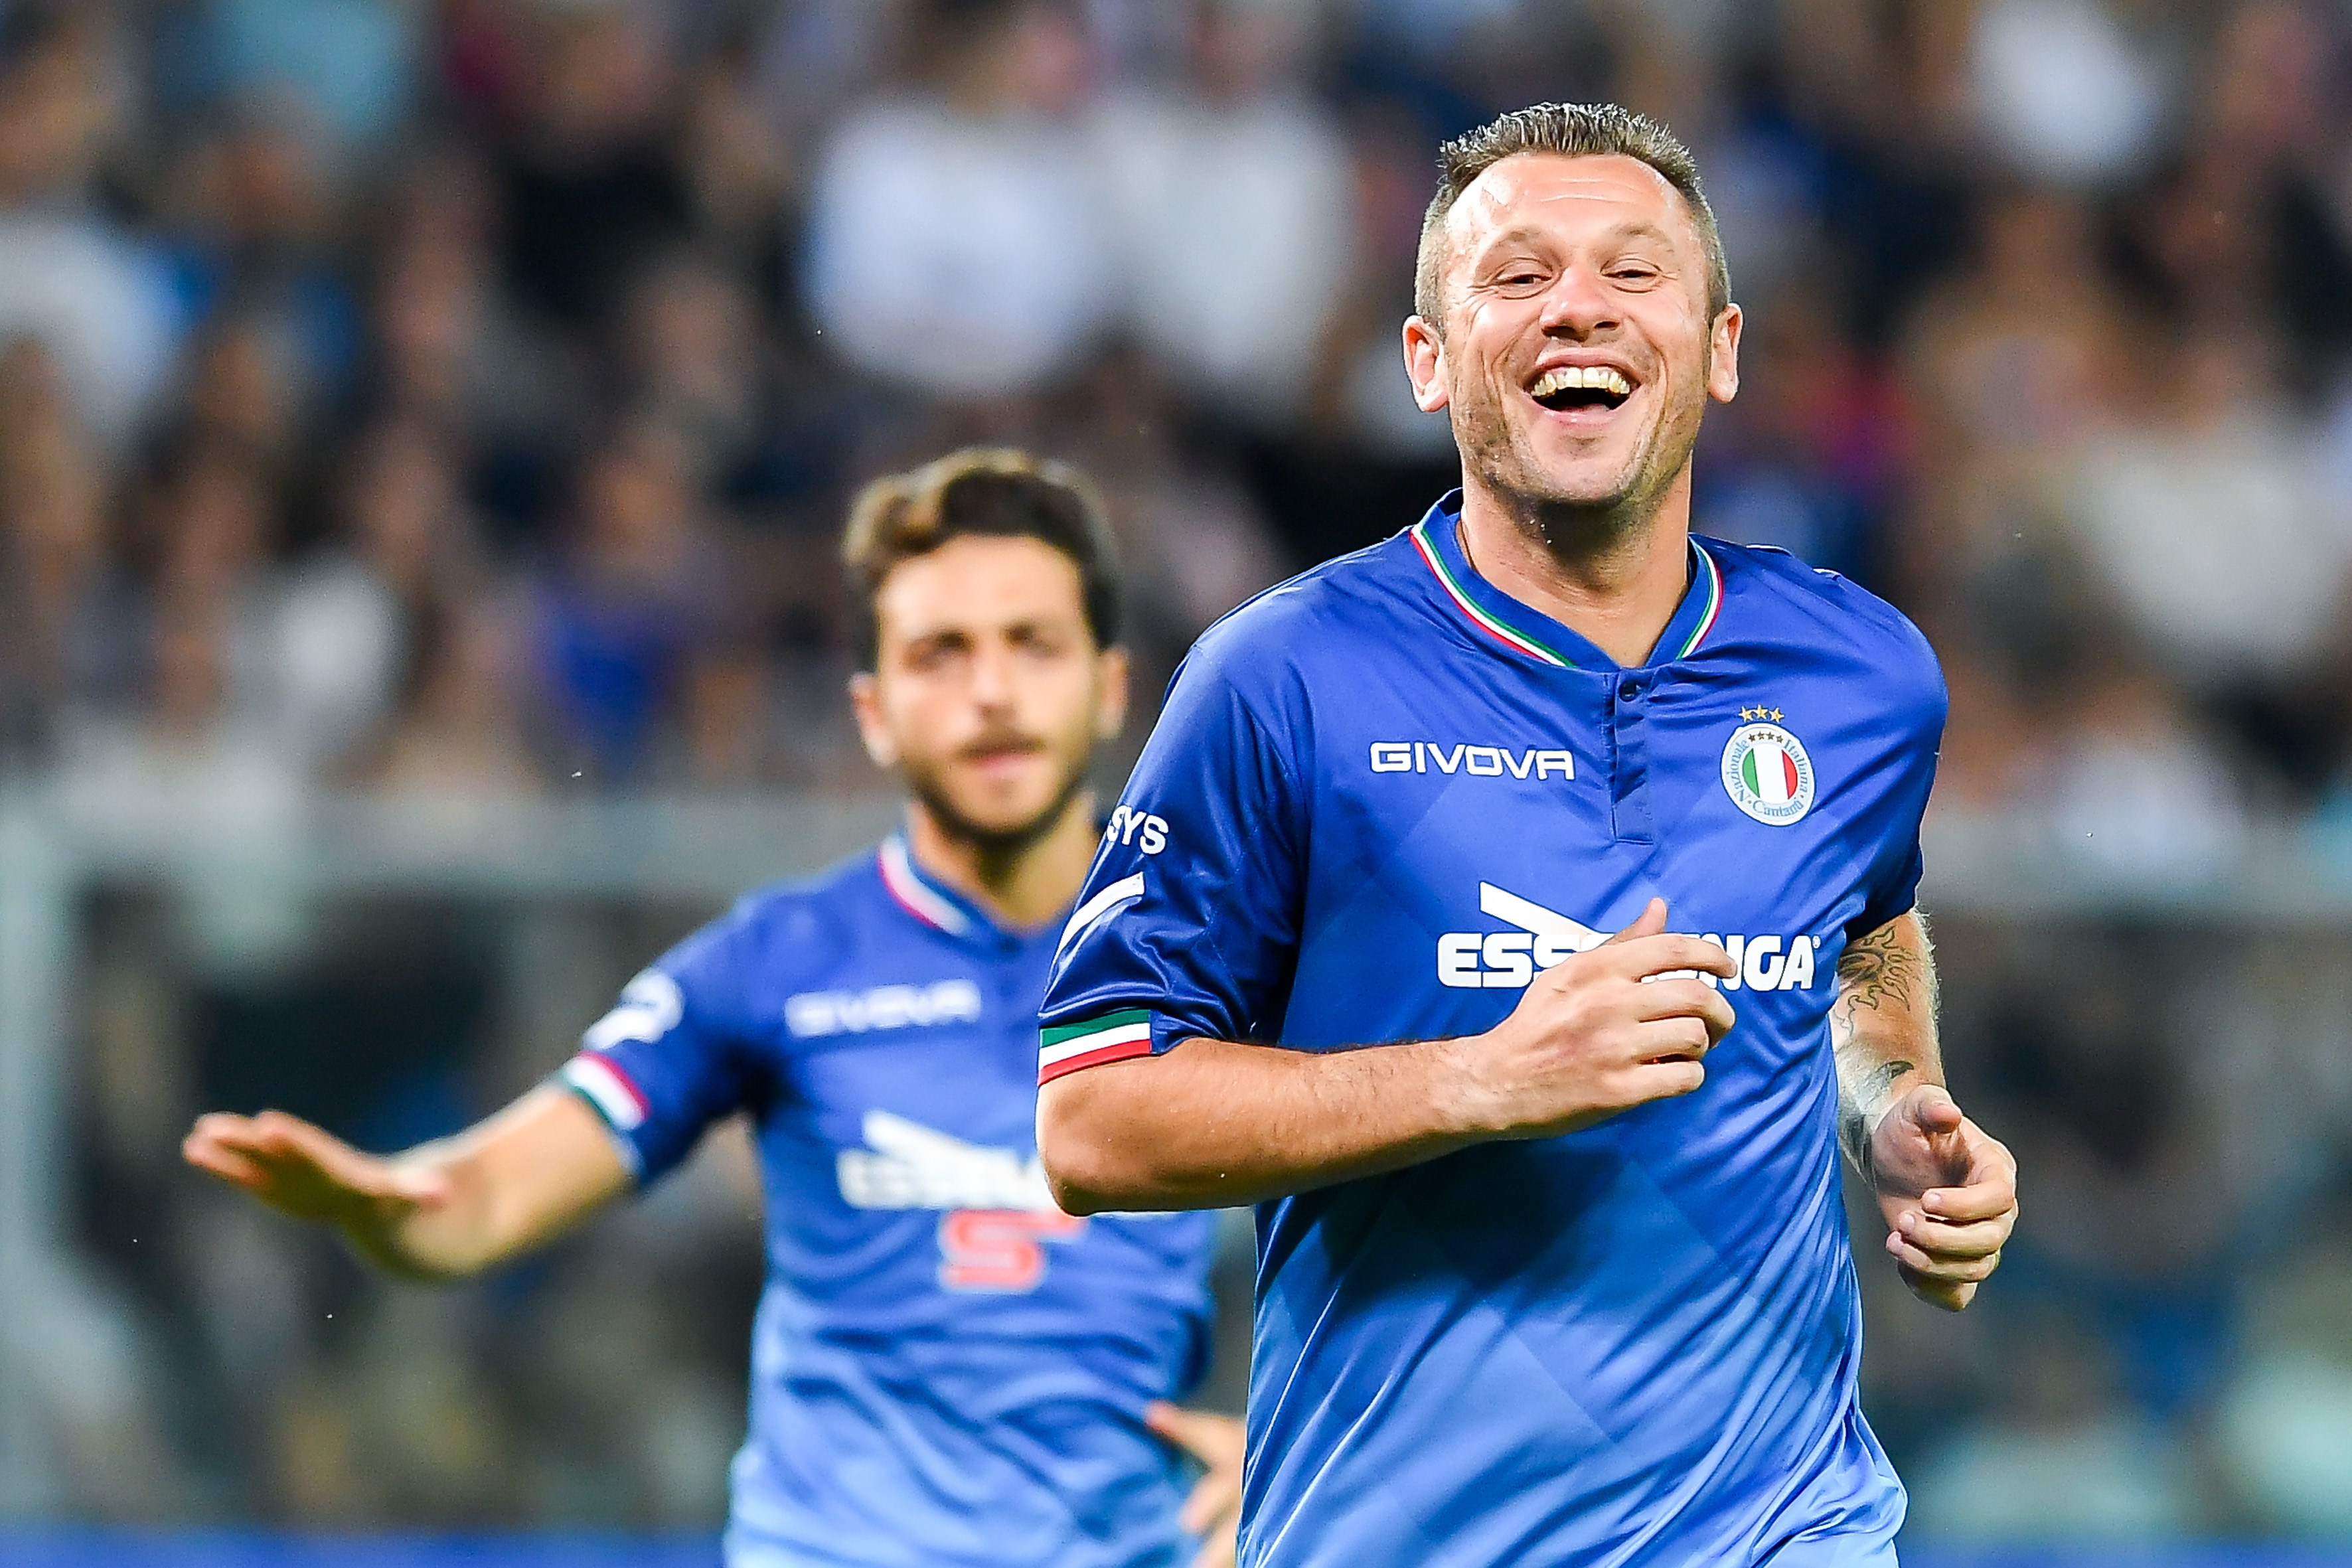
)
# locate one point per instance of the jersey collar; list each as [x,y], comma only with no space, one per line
[1529,633]
[941,908]
[931,901]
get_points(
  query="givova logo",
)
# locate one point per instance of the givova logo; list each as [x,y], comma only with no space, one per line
[1509,959]
[1478,761]
[815,1014]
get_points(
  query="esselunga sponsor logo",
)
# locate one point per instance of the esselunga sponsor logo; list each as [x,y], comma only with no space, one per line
[815,1014]
[907,1166]
[1509,960]
[1474,761]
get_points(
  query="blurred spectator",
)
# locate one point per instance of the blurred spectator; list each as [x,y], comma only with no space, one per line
[53,566]
[2136,788]
[630,608]
[1232,196]
[458,731]
[958,241]
[93,293]
[1808,465]
[2213,525]
[2064,90]
[349,64]
[2283,1439]
[593,190]
[693,354]
[348,619]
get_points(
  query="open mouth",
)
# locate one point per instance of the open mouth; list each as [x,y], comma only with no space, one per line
[1567,388]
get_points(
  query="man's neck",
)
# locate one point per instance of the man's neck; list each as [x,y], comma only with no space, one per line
[1617,592]
[1025,887]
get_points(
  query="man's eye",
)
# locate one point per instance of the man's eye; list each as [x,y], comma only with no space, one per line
[931,656]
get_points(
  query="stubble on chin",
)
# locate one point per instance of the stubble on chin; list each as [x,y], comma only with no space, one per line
[1567,522]
[929,789]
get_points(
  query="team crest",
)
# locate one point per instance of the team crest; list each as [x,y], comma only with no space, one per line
[1766,771]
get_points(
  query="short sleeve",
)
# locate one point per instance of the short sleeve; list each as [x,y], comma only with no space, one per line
[1189,923]
[1892,885]
[668,1060]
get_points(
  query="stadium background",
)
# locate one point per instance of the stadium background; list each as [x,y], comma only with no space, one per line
[423,428]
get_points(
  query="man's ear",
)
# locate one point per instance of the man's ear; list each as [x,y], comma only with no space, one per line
[865,703]
[1723,356]
[1425,362]
[1110,693]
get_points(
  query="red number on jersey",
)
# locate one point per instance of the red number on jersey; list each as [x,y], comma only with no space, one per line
[998,1250]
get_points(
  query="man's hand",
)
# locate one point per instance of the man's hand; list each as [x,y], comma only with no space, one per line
[1948,1192]
[437,1212]
[1599,1033]
[305,1171]
[1213,1511]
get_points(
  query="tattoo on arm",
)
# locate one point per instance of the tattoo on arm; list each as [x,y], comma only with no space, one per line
[1879,971]
[1883,1021]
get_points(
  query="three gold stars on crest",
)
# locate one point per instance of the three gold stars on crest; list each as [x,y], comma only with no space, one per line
[1747,714]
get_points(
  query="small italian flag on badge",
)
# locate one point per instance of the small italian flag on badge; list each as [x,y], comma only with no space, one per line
[1766,771]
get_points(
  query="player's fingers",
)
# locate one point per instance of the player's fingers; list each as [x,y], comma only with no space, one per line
[1662,1080]
[1987,1199]
[1214,1497]
[1669,952]
[1217,1548]
[1648,922]
[217,1159]
[1950,1295]
[1937,1239]
[1671,1039]
[1929,1266]
[1676,998]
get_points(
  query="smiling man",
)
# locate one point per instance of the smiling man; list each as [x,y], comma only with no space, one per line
[1552,1264]
[947,1369]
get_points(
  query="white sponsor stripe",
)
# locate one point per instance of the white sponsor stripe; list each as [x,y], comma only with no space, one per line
[1100,908]
[1529,915]
[899,874]
[613,1095]
[1116,1034]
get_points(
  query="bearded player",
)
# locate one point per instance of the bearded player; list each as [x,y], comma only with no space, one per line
[1552,1264]
[947,1369]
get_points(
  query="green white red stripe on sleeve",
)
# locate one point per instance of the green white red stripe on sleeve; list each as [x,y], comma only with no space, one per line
[1067,1047]
[605,1086]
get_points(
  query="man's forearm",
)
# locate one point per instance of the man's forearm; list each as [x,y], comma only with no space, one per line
[1212,1124]
[515,1181]
[1882,1027]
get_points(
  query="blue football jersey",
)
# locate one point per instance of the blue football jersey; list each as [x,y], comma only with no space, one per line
[1379,798]
[946,1369]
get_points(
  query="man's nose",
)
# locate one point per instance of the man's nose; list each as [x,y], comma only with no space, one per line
[992,676]
[1578,304]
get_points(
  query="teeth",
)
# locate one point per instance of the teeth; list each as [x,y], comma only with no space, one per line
[1582,377]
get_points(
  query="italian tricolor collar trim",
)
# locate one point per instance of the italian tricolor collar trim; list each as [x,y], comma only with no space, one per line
[1536,635]
[917,895]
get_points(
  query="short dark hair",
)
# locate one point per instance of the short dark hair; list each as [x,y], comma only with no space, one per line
[1570,131]
[992,491]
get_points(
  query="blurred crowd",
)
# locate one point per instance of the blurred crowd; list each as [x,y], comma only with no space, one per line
[461,396]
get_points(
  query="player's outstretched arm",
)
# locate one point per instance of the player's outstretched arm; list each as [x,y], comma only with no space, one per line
[1948,1190]
[1211,1122]
[439,1211]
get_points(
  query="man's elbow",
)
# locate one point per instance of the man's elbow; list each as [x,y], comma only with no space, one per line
[1079,1143]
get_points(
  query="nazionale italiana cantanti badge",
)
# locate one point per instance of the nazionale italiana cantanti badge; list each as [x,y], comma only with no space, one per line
[1766,771]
